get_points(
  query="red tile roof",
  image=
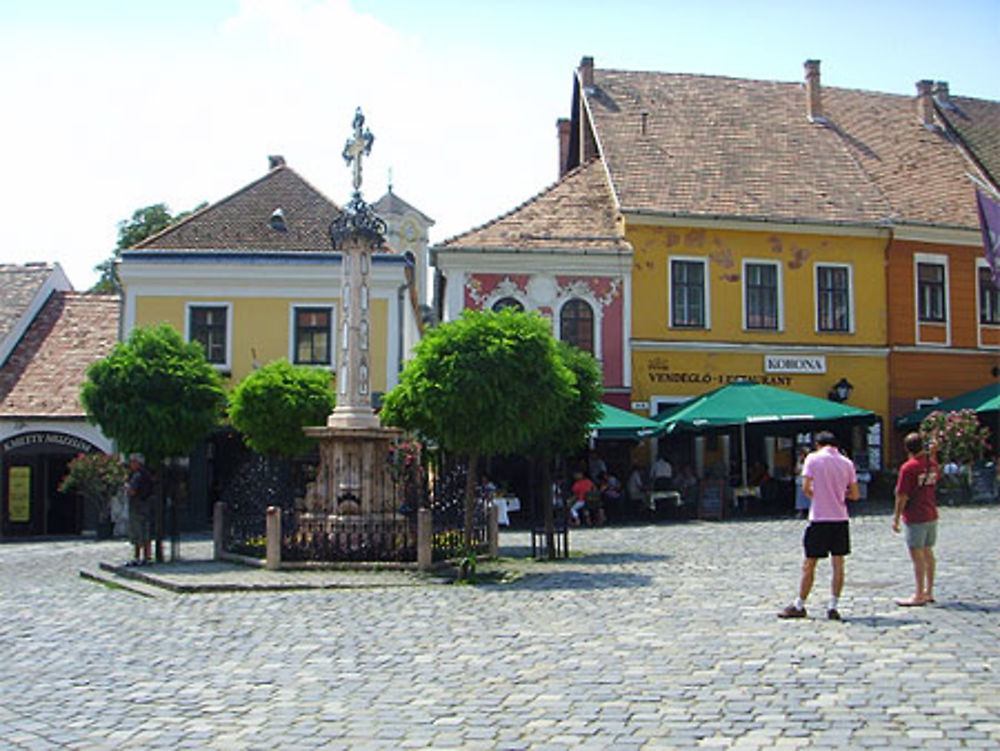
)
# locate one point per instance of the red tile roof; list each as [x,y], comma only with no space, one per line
[43,375]
[18,287]
[709,146]
[575,214]
[242,221]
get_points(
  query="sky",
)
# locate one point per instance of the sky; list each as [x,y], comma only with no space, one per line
[113,105]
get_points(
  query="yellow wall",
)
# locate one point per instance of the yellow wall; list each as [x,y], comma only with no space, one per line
[726,250]
[686,374]
[262,324]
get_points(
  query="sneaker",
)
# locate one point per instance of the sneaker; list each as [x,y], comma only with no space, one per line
[833,614]
[792,612]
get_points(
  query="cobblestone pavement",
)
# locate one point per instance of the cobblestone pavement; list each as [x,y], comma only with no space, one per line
[652,637]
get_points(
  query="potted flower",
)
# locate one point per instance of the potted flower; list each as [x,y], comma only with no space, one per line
[98,477]
[961,442]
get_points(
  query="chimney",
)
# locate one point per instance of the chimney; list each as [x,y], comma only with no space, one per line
[587,73]
[273,162]
[925,105]
[562,127]
[814,98]
[941,92]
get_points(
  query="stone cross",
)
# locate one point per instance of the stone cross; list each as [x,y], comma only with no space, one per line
[358,146]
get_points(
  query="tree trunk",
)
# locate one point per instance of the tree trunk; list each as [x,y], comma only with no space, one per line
[470,499]
[547,510]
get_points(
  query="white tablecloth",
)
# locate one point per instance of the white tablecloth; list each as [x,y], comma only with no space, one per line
[505,505]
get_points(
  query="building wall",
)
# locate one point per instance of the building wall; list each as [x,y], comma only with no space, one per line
[262,328]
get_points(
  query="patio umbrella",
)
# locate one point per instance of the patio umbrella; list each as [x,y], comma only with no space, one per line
[980,401]
[621,424]
[744,402]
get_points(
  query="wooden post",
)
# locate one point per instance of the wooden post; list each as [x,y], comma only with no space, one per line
[273,531]
[425,529]
[493,531]
[218,530]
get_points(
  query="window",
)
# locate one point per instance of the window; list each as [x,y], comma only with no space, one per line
[989,298]
[687,294]
[761,295]
[313,332]
[576,325]
[930,292]
[508,302]
[833,298]
[208,325]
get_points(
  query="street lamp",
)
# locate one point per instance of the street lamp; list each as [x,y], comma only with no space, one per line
[841,391]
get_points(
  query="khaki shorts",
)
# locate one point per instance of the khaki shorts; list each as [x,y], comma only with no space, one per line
[921,535]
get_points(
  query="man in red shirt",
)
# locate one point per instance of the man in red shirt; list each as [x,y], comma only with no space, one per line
[916,503]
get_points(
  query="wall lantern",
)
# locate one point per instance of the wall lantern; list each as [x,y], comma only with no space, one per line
[841,391]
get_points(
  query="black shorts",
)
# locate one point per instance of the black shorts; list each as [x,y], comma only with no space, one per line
[827,538]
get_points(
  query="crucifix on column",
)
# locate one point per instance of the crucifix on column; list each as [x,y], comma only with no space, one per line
[357,146]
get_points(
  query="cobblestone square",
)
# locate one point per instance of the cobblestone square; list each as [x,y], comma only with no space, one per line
[650,637]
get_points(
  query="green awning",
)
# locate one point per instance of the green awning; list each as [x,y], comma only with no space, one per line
[980,401]
[747,403]
[619,424]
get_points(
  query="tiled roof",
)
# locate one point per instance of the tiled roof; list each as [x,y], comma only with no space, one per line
[242,221]
[18,287]
[726,147]
[391,203]
[43,374]
[576,213]
[920,171]
[977,123]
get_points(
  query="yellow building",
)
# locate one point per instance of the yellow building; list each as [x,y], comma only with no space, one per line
[254,278]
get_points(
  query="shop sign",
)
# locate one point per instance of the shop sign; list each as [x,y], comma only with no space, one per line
[33,439]
[19,497]
[792,364]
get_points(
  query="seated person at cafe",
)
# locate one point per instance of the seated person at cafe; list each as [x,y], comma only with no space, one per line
[582,488]
[611,494]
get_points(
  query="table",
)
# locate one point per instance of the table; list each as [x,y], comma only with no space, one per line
[505,505]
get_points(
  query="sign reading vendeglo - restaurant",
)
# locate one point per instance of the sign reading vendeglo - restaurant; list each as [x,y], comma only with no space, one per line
[659,370]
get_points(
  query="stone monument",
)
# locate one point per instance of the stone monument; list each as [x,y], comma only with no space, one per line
[353,476]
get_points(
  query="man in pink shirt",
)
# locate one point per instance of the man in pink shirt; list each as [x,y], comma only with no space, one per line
[829,479]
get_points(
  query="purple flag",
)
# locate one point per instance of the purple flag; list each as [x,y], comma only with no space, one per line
[989,220]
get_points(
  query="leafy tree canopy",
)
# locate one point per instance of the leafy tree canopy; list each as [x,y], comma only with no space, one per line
[272,405]
[155,394]
[144,222]
[486,383]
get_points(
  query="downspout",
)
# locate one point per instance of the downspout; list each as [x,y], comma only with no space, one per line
[887,430]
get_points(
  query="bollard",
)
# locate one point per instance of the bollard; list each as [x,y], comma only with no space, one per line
[493,531]
[218,530]
[425,555]
[273,531]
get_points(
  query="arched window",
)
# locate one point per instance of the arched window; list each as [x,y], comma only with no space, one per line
[576,325]
[508,302]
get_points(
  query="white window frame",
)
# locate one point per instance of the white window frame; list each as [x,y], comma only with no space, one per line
[293,309]
[779,280]
[850,297]
[706,288]
[939,259]
[227,366]
[981,263]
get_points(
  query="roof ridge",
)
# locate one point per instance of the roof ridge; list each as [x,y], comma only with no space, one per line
[169,229]
[525,203]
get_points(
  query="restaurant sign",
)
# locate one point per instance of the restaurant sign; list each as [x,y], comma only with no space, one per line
[792,364]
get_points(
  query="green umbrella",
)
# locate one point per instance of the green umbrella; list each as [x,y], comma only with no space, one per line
[744,402]
[986,399]
[620,424]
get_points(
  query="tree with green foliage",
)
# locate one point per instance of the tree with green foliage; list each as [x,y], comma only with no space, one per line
[144,222]
[272,405]
[486,383]
[155,394]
